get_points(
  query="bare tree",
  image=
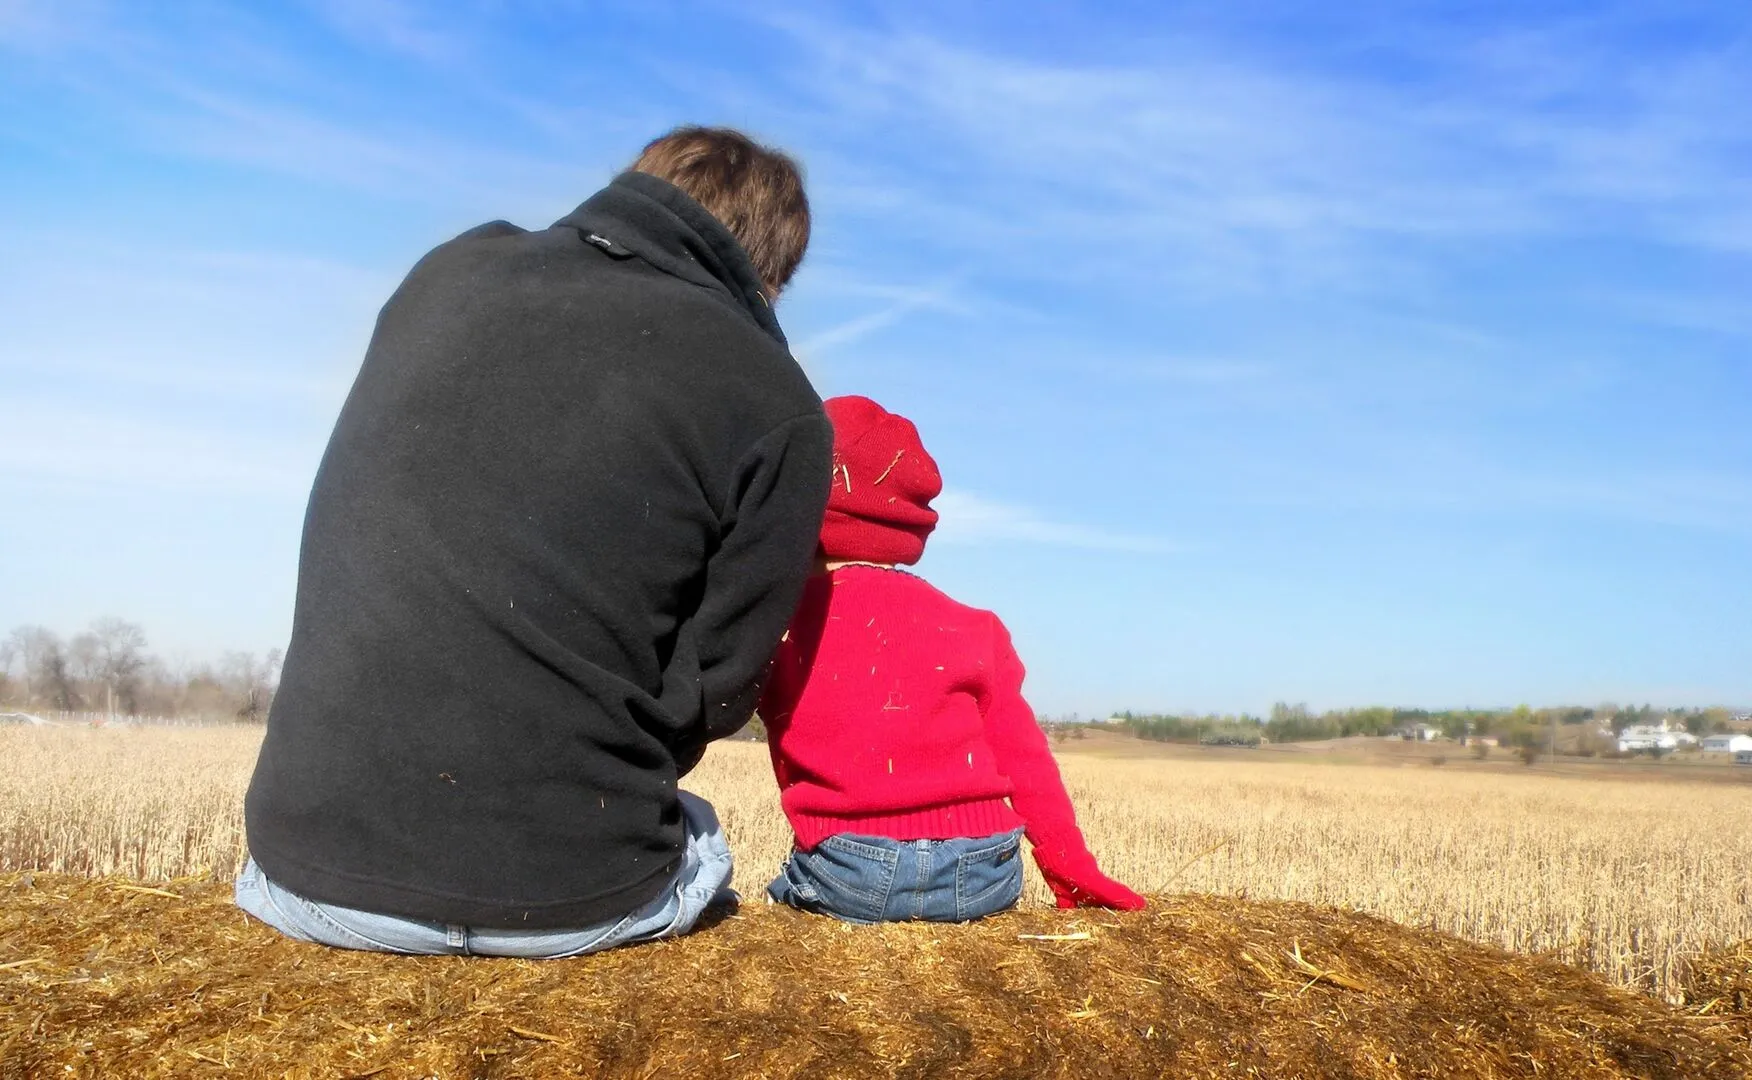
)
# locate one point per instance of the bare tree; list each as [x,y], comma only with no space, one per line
[56,679]
[8,652]
[84,658]
[121,649]
[249,682]
[34,645]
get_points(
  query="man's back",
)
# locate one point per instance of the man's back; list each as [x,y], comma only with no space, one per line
[571,460]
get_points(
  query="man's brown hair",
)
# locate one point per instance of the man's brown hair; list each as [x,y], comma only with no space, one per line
[754,190]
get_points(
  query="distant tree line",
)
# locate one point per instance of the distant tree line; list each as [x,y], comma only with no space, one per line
[107,668]
[1521,726]
[1233,730]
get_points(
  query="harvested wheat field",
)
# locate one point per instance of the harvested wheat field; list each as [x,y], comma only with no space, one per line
[103,978]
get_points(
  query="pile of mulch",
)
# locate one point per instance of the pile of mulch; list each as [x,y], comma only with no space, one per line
[110,978]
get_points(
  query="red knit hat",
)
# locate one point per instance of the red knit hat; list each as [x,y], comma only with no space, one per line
[883,484]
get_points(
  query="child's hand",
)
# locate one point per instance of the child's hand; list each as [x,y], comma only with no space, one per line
[1091,888]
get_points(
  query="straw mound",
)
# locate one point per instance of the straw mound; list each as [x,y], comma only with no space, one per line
[1720,984]
[104,978]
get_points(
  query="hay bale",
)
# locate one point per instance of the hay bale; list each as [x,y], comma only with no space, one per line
[105,978]
[1719,983]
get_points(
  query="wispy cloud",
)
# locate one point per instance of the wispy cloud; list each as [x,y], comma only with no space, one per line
[1690,498]
[902,302]
[214,325]
[228,88]
[971,519]
[1403,473]
[1185,372]
[1723,313]
[1211,165]
[34,25]
[53,444]
[393,25]
[209,374]
[402,161]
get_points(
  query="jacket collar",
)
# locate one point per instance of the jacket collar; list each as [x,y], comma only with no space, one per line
[663,225]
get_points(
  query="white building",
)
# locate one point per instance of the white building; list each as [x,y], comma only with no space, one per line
[1646,737]
[1727,743]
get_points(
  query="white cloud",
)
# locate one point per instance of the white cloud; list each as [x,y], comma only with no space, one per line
[227,87]
[59,445]
[244,331]
[1725,313]
[41,25]
[971,519]
[393,25]
[1214,166]
[394,160]
[902,302]
[1400,472]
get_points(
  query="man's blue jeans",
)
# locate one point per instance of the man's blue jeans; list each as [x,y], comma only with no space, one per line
[702,883]
[867,879]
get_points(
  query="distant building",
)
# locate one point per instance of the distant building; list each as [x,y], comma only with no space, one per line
[1743,757]
[1727,744]
[1644,738]
[1420,733]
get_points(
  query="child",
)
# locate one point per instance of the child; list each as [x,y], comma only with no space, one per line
[896,721]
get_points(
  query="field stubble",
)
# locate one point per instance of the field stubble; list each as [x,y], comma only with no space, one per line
[1628,879]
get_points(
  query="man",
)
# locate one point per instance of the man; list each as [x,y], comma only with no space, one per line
[566,512]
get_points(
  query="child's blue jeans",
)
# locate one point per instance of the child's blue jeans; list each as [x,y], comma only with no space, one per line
[867,879]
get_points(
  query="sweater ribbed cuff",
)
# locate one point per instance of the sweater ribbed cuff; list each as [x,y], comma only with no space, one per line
[982,817]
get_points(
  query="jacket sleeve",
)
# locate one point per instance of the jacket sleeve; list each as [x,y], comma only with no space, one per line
[1038,792]
[753,581]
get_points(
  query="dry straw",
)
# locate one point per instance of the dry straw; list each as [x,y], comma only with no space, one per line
[100,979]
[1719,983]
[1629,879]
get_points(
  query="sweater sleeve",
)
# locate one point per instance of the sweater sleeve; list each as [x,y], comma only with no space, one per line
[1038,792]
[753,581]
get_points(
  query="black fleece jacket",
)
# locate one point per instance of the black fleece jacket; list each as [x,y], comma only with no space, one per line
[565,514]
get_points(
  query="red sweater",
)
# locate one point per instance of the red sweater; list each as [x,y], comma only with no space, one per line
[894,711]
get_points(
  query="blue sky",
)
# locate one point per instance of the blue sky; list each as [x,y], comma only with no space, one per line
[1392,353]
